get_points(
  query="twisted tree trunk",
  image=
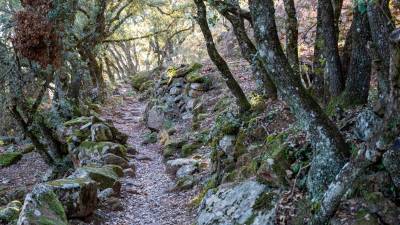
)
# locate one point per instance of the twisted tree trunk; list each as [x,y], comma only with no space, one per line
[329,146]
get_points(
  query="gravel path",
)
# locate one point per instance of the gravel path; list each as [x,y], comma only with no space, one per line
[147,198]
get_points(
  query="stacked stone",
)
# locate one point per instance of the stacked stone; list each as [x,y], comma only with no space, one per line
[178,92]
[99,153]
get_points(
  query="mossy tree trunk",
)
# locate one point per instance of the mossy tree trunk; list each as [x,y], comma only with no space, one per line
[248,50]
[219,62]
[329,146]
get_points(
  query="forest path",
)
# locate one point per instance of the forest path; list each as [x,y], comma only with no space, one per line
[147,199]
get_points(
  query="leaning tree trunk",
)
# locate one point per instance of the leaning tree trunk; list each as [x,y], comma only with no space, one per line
[359,72]
[381,26]
[222,66]
[329,145]
[249,51]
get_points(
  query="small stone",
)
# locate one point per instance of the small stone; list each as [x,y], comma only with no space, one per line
[105,194]
[175,91]
[129,172]
[115,204]
[195,93]
[131,150]
[199,87]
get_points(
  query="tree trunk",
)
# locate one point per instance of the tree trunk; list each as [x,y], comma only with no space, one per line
[381,26]
[329,145]
[359,72]
[352,170]
[333,78]
[292,35]
[319,62]
[249,52]
[109,70]
[222,66]
[117,62]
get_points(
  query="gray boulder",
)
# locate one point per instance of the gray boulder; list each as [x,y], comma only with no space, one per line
[249,203]
[155,118]
[172,166]
[367,124]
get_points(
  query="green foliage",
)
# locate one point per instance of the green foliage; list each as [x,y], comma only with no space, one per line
[9,158]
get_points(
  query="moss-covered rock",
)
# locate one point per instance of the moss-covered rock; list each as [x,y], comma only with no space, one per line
[77,195]
[101,132]
[89,152]
[188,149]
[196,77]
[139,79]
[275,162]
[9,158]
[42,207]
[105,176]
[10,213]
[150,138]
[228,123]
[79,121]
[146,86]
[173,146]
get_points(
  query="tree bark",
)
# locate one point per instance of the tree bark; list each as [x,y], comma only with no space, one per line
[292,35]
[248,51]
[222,66]
[329,146]
[319,48]
[359,72]
[334,82]
[381,26]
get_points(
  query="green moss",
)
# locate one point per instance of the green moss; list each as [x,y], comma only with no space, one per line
[227,123]
[146,86]
[139,79]
[240,145]
[78,121]
[188,149]
[222,104]
[104,147]
[150,138]
[250,220]
[257,102]
[104,176]
[50,202]
[9,158]
[211,184]
[264,201]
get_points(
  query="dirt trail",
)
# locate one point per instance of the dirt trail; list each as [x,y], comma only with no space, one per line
[147,198]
